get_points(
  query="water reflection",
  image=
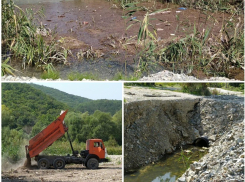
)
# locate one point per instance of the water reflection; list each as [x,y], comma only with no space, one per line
[165,178]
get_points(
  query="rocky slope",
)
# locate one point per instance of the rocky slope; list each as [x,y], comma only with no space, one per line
[225,160]
[158,121]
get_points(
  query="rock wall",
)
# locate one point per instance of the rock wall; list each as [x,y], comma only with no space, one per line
[153,127]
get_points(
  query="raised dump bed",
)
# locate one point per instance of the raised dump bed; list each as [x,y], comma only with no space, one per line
[47,136]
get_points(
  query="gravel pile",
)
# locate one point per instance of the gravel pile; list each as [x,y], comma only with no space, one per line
[224,162]
[170,76]
[160,76]
[28,79]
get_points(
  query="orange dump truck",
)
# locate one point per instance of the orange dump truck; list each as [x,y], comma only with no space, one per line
[91,157]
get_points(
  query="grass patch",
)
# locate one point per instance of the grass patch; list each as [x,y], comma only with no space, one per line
[120,76]
[81,76]
[114,150]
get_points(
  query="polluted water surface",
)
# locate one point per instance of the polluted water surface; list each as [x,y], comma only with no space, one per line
[99,28]
[170,168]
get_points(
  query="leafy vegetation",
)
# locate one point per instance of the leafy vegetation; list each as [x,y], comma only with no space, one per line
[81,104]
[196,88]
[69,99]
[23,40]
[103,105]
[28,105]
[193,88]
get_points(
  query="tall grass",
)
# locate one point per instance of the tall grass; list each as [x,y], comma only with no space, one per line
[228,6]
[207,52]
[23,40]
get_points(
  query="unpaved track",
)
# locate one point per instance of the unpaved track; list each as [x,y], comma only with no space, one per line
[111,171]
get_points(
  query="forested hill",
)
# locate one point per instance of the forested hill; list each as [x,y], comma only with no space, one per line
[82,104]
[103,105]
[23,105]
[69,99]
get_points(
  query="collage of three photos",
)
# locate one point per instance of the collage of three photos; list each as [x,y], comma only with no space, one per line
[122,90]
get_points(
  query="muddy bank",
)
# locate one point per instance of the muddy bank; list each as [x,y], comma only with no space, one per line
[158,125]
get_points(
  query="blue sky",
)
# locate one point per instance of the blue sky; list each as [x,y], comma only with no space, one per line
[91,90]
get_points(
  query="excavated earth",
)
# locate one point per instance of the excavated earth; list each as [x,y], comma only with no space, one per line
[157,122]
[111,171]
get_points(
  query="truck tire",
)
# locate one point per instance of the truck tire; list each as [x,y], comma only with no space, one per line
[92,163]
[43,163]
[59,163]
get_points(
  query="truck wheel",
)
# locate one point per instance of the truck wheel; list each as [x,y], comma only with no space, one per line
[59,163]
[43,163]
[92,163]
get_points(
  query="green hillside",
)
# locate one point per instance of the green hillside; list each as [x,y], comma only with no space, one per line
[82,104]
[69,99]
[23,105]
[104,105]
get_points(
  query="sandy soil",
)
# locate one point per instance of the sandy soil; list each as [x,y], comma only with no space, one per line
[111,171]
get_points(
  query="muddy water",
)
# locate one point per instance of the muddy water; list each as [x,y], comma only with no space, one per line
[99,24]
[170,168]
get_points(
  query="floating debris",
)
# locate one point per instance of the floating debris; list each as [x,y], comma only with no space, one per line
[182,8]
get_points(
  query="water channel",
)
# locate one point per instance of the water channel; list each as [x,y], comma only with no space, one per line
[168,169]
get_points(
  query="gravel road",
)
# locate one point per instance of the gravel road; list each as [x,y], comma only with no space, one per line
[111,171]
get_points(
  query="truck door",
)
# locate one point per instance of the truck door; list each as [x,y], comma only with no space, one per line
[99,150]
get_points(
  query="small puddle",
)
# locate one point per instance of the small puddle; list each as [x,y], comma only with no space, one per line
[170,168]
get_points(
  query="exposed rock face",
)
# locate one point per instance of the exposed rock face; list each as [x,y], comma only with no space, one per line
[225,160]
[218,115]
[155,127]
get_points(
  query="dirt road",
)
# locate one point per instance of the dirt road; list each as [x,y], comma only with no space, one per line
[111,171]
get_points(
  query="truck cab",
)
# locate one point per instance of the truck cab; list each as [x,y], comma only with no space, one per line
[96,147]
[94,154]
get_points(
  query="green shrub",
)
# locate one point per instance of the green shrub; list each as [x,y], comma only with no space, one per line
[196,88]
[114,150]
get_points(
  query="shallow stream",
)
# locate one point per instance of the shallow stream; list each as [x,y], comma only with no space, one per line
[168,169]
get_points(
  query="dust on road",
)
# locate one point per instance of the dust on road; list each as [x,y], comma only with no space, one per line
[111,171]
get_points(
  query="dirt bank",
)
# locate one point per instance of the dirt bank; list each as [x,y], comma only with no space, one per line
[111,171]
